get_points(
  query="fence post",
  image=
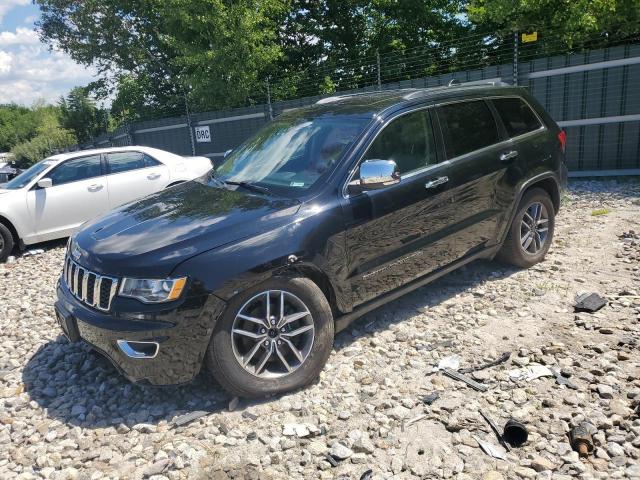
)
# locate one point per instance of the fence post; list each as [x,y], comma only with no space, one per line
[378,68]
[189,126]
[129,129]
[516,41]
[270,107]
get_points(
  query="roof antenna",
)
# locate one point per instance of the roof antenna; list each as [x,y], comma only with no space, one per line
[453,81]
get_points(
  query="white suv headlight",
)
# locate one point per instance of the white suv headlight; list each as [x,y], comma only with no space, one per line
[152,291]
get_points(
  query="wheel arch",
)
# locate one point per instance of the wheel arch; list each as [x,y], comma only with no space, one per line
[549,185]
[317,276]
[9,224]
[546,181]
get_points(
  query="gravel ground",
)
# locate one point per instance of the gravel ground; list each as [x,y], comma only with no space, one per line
[65,413]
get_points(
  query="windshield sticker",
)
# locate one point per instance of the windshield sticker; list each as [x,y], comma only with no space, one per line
[296,184]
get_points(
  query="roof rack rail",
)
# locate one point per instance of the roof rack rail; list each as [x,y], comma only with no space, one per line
[455,83]
[335,98]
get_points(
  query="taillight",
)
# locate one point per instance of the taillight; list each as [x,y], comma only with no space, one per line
[562,137]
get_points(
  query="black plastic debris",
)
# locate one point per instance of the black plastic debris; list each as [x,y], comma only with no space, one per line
[367,475]
[189,417]
[332,461]
[249,415]
[501,359]
[495,429]
[430,398]
[515,433]
[589,302]
[463,378]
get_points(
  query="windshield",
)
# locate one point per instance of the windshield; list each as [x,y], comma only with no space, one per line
[292,152]
[28,175]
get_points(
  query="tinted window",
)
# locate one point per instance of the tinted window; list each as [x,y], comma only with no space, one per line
[468,126]
[125,161]
[76,169]
[408,141]
[150,162]
[516,116]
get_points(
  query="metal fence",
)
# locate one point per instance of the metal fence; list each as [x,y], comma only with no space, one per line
[594,95]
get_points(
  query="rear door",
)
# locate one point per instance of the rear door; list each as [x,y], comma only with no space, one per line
[394,235]
[474,145]
[133,175]
[78,194]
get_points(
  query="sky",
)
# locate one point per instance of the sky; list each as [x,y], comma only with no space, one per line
[28,70]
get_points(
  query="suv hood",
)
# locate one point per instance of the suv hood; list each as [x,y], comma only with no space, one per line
[149,237]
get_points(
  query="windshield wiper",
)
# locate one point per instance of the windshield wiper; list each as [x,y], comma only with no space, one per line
[249,186]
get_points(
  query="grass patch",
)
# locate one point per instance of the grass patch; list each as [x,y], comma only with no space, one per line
[600,211]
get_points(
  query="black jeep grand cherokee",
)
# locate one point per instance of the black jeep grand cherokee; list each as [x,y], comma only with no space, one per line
[326,213]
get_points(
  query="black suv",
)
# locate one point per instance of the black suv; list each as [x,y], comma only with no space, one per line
[326,213]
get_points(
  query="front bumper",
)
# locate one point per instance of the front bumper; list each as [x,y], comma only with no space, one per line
[182,333]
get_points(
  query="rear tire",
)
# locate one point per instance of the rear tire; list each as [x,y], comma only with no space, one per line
[6,242]
[261,361]
[531,231]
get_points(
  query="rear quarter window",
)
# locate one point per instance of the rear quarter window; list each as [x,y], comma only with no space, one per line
[467,126]
[516,115]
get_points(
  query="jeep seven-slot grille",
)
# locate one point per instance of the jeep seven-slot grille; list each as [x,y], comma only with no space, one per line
[95,290]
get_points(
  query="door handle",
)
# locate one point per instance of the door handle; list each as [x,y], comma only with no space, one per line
[153,176]
[434,183]
[505,157]
[95,187]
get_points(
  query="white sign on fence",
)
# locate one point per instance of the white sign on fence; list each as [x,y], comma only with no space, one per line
[203,134]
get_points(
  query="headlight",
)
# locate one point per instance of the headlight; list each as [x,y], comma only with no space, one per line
[152,291]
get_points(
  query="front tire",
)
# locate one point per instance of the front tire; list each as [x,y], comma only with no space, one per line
[531,231]
[6,242]
[272,338]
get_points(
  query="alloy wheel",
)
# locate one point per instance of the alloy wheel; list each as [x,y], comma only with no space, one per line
[272,334]
[534,228]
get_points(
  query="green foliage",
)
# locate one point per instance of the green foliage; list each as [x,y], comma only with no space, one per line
[17,124]
[49,139]
[79,114]
[218,53]
[158,55]
[572,21]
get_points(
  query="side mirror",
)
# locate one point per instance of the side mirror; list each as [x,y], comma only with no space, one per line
[45,183]
[374,175]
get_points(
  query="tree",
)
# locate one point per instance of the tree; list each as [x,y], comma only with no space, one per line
[78,113]
[570,22]
[215,51]
[17,124]
[50,138]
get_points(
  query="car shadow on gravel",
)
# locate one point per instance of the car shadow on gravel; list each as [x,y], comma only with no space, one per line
[77,386]
[466,279]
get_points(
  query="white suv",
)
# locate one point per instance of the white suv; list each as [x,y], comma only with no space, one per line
[55,196]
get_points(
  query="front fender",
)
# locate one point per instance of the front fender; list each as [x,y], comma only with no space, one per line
[313,242]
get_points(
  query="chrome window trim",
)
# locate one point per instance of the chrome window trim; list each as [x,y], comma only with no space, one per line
[543,128]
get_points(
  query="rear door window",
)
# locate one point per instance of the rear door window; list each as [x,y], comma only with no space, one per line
[76,169]
[125,161]
[516,115]
[467,126]
[408,141]
[150,162]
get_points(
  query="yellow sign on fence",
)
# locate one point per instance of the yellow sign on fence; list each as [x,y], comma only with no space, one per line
[529,37]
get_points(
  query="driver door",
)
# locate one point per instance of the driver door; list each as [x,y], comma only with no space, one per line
[78,193]
[395,234]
